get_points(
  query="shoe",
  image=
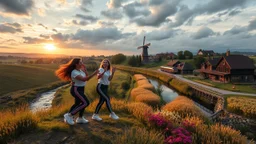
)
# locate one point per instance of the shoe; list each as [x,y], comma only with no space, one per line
[68,119]
[81,120]
[113,116]
[96,117]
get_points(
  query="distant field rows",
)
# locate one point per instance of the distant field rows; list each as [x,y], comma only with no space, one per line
[19,77]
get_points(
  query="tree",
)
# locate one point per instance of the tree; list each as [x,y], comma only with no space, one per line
[198,61]
[188,54]
[132,61]
[180,55]
[118,58]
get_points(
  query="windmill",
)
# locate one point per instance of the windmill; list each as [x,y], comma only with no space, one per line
[144,54]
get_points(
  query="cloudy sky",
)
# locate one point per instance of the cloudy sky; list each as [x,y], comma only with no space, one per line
[96,27]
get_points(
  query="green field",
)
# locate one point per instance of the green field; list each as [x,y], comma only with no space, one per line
[19,77]
[226,86]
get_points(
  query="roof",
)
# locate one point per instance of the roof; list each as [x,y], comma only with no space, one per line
[185,66]
[239,62]
[214,61]
[173,62]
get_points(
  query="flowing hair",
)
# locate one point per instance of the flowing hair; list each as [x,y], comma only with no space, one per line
[109,64]
[64,71]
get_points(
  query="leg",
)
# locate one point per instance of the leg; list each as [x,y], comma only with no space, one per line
[102,91]
[98,107]
[81,112]
[79,94]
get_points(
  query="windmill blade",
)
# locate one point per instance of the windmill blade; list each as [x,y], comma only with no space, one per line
[148,44]
[140,47]
[144,40]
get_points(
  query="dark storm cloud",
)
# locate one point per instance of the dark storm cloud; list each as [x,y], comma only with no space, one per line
[18,7]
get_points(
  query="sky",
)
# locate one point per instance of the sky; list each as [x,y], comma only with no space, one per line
[108,27]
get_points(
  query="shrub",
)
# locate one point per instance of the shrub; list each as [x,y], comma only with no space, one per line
[137,135]
[184,107]
[125,86]
[150,99]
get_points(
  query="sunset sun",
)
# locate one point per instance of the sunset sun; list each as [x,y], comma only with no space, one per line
[50,47]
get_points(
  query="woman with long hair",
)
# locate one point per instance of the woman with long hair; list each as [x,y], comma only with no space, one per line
[105,75]
[75,72]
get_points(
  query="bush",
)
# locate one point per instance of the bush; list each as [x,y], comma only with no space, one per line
[184,107]
[125,86]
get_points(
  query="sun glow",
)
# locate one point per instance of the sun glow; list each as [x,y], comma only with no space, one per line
[50,47]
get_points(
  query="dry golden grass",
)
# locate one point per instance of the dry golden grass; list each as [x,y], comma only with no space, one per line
[138,91]
[150,99]
[14,123]
[117,106]
[140,110]
[216,134]
[242,105]
[181,87]
[145,84]
[137,135]
[183,106]
[139,77]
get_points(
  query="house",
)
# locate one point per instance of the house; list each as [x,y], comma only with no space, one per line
[185,68]
[205,52]
[229,68]
[173,63]
[175,66]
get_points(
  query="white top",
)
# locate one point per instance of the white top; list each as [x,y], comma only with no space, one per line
[77,82]
[104,79]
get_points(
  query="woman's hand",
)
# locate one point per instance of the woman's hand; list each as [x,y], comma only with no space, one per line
[84,68]
[113,70]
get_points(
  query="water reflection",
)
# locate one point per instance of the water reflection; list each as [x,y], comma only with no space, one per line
[167,94]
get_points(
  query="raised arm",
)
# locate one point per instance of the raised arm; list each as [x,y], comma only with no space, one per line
[100,73]
[88,77]
[112,75]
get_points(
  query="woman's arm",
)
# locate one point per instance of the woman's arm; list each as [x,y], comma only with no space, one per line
[113,72]
[101,74]
[84,69]
[88,77]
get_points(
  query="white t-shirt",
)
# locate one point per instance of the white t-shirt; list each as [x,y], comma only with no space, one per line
[77,82]
[104,79]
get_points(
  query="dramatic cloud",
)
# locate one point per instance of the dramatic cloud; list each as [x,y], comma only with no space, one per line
[234,12]
[105,24]
[10,28]
[203,32]
[82,23]
[18,7]
[161,12]
[43,26]
[86,2]
[30,40]
[60,37]
[112,14]
[91,19]
[115,3]
[44,36]
[235,30]
[161,34]
[136,9]
[214,6]
[252,24]
[156,2]
[99,35]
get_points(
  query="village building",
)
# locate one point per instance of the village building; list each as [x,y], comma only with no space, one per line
[229,68]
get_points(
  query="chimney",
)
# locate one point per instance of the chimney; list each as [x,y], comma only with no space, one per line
[228,53]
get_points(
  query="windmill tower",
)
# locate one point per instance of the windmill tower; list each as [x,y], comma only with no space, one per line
[144,54]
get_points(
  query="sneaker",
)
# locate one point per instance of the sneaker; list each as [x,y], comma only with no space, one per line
[96,117]
[68,119]
[113,116]
[81,120]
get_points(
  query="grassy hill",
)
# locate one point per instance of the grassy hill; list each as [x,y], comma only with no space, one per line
[19,77]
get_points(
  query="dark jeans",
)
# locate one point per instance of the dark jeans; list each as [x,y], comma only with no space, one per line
[102,90]
[81,101]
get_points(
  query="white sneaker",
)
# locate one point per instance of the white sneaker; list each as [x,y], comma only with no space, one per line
[68,119]
[113,116]
[81,120]
[96,117]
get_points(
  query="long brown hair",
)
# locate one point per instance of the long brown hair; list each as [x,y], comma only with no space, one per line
[109,64]
[64,72]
